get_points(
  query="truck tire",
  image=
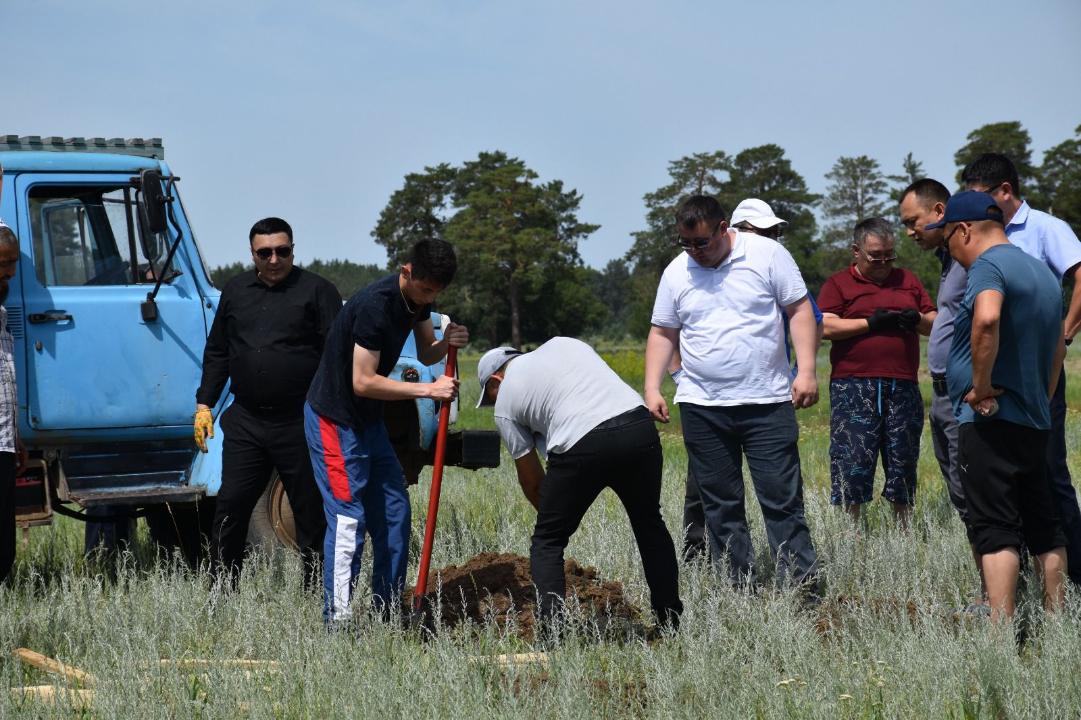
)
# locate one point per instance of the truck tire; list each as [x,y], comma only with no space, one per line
[271,522]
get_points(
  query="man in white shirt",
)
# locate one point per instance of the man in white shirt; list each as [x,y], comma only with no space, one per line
[722,301]
[563,400]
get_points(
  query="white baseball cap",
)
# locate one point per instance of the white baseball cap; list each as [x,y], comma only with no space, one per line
[757,213]
[489,363]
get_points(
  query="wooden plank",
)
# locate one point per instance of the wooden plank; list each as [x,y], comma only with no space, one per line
[49,694]
[203,663]
[53,667]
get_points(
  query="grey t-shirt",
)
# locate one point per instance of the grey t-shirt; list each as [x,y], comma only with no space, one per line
[951,291]
[556,394]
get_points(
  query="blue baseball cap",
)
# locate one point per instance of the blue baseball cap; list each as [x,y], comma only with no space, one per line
[968,206]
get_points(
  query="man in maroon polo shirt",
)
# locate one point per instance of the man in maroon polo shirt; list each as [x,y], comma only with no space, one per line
[872,312]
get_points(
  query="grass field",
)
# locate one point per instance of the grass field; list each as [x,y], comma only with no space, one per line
[892,649]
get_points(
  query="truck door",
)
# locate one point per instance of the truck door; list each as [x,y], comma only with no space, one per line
[91,361]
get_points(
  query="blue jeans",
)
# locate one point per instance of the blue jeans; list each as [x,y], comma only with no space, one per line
[717,439]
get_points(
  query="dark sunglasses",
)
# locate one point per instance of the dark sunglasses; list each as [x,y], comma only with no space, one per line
[699,242]
[282,252]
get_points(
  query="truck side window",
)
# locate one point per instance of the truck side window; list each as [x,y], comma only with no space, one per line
[89,235]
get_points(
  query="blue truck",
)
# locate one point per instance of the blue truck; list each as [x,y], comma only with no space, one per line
[110,310]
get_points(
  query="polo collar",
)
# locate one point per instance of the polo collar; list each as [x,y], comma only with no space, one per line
[1021,216]
[739,250]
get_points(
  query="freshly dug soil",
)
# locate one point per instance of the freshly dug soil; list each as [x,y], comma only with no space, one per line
[497,587]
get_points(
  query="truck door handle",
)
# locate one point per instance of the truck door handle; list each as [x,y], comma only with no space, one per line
[50,316]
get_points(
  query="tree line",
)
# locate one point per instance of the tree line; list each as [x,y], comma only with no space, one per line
[521,278]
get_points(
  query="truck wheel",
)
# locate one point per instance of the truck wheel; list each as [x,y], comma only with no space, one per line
[272,520]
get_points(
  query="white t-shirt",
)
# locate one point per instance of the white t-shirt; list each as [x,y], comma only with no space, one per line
[731,330]
[553,396]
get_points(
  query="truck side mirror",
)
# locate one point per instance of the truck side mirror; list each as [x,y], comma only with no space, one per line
[153,205]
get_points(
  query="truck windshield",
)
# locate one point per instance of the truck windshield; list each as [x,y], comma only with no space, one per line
[90,235]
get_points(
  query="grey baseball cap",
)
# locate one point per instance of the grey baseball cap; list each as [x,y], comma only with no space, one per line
[490,362]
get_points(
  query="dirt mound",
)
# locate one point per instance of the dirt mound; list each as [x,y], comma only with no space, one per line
[497,587]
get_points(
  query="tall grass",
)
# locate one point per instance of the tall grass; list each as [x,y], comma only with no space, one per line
[893,648]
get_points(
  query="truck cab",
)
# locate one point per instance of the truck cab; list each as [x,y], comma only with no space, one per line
[110,311]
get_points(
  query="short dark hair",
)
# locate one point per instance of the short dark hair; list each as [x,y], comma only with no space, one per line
[698,209]
[270,226]
[991,169]
[928,190]
[434,260]
[879,227]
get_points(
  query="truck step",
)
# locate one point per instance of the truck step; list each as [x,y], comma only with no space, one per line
[138,495]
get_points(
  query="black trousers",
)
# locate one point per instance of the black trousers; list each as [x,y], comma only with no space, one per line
[623,454]
[252,446]
[1058,474]
[7,513]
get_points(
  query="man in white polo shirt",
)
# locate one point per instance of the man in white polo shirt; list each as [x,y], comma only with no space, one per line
[722,302]
[563,400]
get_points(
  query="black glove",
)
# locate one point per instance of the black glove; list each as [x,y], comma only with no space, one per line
[883,320]
[908,319]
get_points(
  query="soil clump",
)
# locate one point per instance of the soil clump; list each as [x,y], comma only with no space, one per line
[496,587]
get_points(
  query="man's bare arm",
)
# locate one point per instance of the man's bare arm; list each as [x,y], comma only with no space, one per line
[1056,364]
[834,327]
[1073,313]
[986,315]
[429,350]
[660,344]
[530,476]
[368,383]
[804,332]
[927,320]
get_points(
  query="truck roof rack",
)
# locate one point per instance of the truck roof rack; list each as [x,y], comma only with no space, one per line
[148,147]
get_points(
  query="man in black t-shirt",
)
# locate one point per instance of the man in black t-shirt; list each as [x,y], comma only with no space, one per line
[355,466]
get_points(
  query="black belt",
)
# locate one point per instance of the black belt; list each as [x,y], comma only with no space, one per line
[272,410]
[938,385]
[628,418]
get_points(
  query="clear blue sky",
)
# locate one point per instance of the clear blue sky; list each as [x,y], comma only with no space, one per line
[315,111]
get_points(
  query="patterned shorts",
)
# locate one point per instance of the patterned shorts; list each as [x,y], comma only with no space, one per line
[871,417]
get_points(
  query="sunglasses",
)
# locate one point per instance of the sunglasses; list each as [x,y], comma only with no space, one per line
[282,252]
[876,260]
[699,242]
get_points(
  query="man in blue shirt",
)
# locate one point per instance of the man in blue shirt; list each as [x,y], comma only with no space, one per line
[923,203]
[1002,369]
[1051,241]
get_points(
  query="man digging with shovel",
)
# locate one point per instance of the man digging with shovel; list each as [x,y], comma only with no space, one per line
[355,466]
[563,399]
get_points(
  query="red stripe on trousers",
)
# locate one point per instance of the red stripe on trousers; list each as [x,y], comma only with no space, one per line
[332,458]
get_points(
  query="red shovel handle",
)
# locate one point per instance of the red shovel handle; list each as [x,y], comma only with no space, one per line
[437,481]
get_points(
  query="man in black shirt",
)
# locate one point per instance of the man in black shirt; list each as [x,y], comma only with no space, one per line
[355,466]
[267,338]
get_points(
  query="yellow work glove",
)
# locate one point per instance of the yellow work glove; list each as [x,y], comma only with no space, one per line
[204,427]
